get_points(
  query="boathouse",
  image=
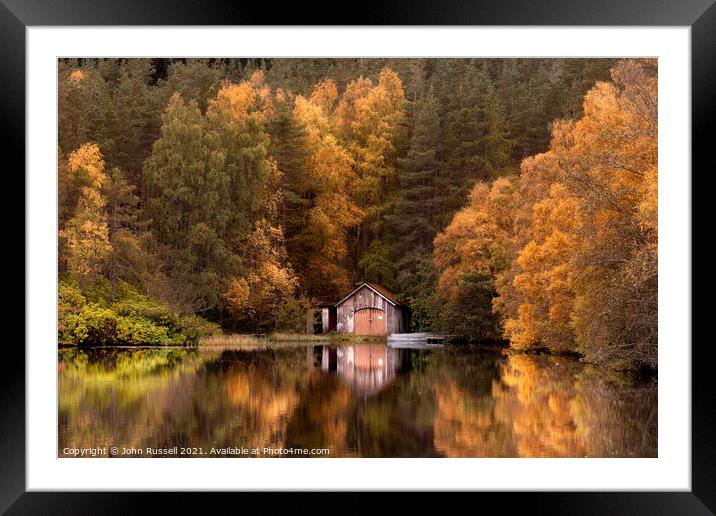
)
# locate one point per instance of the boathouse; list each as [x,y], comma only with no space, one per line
[370,309]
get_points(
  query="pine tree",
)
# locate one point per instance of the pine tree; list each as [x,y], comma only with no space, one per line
[496,145]
[290,148]
[416,211]
[466,132]
[128,260]
[136,117]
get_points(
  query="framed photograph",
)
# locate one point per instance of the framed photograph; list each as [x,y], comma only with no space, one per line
[429,252]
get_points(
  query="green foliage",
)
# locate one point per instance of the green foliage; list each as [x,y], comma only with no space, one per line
[133,321]
[296,315]
[416,209]
[469,315]
[418,279]
[194,328]
[92,325]
[69,304]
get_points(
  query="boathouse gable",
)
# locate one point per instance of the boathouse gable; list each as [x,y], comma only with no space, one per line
[370,309]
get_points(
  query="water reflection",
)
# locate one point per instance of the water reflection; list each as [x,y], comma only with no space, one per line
[366,368]
[365,400]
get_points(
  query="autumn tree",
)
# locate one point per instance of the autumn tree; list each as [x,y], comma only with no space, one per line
[84,239]
[469,254]
[321,247]
[616,147]
[585,275]
[209,181]
[247,190]
[114,104]
[370,120]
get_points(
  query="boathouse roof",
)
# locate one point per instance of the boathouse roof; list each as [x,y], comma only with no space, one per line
[382,291]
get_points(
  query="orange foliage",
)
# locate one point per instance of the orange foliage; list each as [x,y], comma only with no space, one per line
[77,76]
[587,233]
[477,241]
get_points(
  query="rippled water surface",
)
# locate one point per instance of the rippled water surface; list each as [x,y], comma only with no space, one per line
[363,400]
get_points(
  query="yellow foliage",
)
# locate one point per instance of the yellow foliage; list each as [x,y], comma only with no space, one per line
[85,236]
[236,99]
[269,280]
[346,110]
[89,160]
[332,178]
[237,295]
[370,119]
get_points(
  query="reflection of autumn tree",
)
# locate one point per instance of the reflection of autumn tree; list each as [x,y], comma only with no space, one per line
[465,422]
[120,399]
[535,399]
[615,419]
[452,402]
[263,407]
[557,409]
[397,422]
[320,420]
[466,426]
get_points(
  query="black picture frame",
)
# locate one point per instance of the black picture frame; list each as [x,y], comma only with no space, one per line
[700,15]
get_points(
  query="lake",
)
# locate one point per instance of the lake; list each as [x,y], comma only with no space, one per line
[362,400]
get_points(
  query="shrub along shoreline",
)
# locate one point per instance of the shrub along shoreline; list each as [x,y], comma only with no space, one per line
[129,320]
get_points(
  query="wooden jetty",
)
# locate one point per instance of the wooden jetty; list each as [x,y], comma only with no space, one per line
[416,340]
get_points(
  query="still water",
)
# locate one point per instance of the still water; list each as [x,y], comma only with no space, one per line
[363,400]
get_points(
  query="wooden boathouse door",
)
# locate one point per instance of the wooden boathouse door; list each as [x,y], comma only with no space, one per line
[369,321]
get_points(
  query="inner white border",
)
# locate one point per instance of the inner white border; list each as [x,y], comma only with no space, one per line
[670,471]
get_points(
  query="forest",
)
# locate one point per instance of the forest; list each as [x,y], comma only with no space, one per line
[502,199]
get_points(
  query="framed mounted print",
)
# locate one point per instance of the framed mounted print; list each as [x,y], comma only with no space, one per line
[451,256]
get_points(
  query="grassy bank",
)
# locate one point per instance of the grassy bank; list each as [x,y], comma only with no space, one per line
[244,341]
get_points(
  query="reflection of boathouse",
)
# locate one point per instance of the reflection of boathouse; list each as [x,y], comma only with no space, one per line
[370,309]
[367,368]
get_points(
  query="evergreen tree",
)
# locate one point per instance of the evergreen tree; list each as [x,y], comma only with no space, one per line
[475,144]
[416,210]
[128,260]
[290,148]
[136,117]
